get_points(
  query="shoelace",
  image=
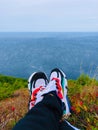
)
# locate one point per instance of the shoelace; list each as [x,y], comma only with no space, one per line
[34,94]
[60,95]
[59,88]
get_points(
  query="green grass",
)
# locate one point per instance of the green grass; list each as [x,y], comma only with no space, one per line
[78,85]
[9,84]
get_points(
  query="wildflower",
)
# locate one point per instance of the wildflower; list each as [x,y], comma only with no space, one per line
[13,108]
[81,103]
[73,108]
[96,95]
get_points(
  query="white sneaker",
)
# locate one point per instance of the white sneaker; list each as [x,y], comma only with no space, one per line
[36,83]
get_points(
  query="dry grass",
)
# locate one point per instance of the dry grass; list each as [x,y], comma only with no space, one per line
[14,108]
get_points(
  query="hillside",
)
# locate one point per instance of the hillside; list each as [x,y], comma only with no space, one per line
[83,94]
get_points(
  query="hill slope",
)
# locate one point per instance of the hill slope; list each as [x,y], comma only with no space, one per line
[83,94]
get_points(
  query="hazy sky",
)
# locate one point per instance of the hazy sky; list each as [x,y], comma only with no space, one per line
[48,15]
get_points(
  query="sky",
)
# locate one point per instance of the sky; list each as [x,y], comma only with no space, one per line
[48,15]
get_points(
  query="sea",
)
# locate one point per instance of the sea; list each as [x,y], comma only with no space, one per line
[22,53]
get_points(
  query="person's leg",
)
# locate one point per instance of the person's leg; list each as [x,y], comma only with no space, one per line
[45,106]
[45,115]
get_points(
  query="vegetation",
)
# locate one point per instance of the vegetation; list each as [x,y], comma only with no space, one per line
[9,84]
[83,94]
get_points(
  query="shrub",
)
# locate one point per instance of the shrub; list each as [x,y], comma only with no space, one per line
[83,94]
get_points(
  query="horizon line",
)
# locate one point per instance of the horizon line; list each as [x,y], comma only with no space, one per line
[48,31]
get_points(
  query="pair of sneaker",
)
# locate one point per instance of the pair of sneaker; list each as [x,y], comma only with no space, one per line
[39,85]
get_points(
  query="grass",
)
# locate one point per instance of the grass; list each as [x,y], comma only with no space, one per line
[9,84]
[83,94]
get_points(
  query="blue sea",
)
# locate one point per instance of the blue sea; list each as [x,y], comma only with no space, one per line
[73,52]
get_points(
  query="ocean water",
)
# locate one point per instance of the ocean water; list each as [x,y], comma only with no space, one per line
[24,53]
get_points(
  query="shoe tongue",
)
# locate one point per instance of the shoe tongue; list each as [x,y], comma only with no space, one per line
[55,75]
[40,82]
